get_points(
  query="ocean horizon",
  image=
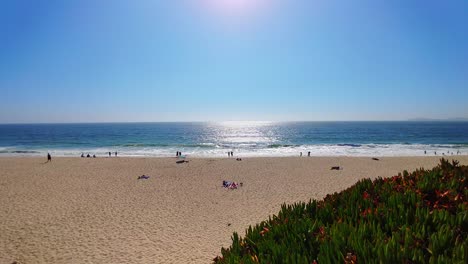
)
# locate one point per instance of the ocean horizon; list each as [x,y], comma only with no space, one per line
[244,138]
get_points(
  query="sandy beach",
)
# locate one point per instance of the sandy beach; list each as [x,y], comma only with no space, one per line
[85,210]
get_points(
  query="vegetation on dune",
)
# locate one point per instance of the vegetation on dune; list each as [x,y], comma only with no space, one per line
[420,217]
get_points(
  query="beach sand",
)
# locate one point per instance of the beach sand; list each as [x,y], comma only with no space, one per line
[85,210]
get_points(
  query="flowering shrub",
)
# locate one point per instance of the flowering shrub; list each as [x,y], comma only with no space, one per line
[420,217]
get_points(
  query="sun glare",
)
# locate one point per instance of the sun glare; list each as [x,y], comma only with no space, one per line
[235,7]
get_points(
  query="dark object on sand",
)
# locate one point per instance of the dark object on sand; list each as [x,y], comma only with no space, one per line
[182,161]
[144,177]
[232,185]
[375,158]
[239,159]
[335,168]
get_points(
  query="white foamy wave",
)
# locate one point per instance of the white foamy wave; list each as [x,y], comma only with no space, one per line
[253,150]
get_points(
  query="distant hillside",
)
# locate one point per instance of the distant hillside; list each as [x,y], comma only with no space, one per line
[456,119]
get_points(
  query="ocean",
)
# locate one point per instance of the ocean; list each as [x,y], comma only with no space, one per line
[245,139]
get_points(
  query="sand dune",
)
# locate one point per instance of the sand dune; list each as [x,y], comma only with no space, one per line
[76,210]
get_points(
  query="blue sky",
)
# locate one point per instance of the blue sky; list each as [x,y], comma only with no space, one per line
[197,60]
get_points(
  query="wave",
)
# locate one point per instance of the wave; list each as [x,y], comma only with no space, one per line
[350,145]
[162,145]
[19,151]
[208,149]
[143,145]
[454,146]
[281,146]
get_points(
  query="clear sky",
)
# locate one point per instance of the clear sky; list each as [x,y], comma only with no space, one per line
[210,60]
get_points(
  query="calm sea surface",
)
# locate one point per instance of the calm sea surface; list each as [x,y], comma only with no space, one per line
[246,139]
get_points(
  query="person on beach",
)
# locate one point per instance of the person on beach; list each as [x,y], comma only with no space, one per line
[88,156]
[232,153]
[110,153]
[82,155]
[424,152]
[308,154]
[229,154]
[300,155]
[116,153]
[49,158]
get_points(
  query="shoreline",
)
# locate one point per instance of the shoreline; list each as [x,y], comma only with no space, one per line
[263,151]
[75,210]
[44,156]
[189,157]
[236,155]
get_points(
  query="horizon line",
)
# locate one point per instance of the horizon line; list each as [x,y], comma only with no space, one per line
[233,121]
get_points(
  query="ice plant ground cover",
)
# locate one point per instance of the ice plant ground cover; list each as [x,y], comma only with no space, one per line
[418,217]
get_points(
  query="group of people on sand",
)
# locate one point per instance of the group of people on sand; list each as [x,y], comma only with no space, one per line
[94,155]
[443,153]
[232,185]
[308,154]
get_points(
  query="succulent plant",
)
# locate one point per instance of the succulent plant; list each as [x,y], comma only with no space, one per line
[418,217]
